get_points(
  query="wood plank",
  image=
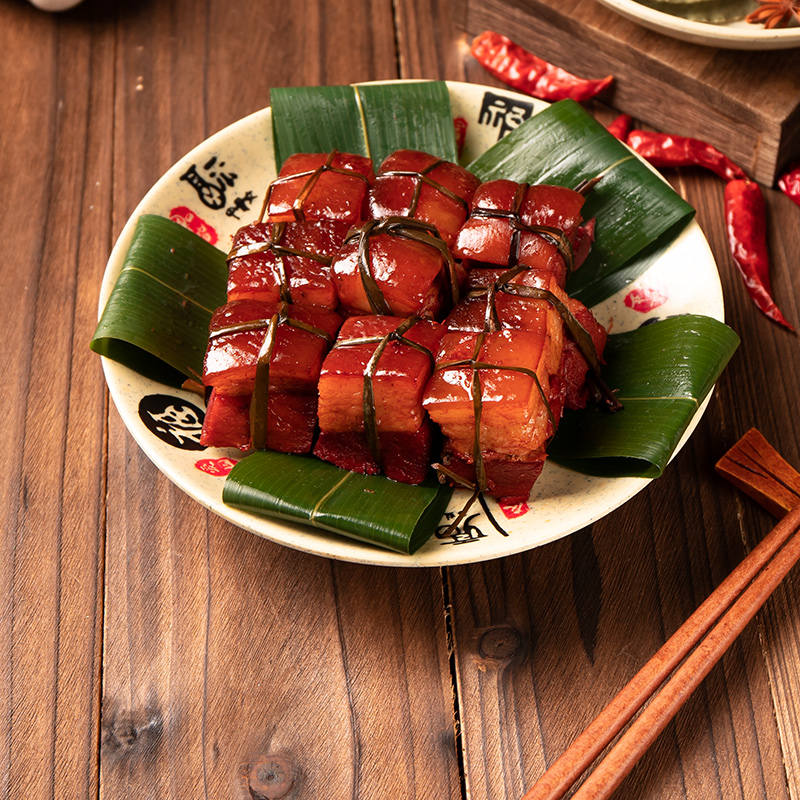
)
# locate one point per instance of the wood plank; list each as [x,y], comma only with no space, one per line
[225,654]
[56,223]
[746,103]
[760,381]
[328,43]
[235,667]
[542,641]
[589,611]
[232,662]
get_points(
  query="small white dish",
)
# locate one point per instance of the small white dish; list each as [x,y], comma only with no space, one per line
[738,35]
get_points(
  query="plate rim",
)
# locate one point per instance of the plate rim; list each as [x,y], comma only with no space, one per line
[304,538]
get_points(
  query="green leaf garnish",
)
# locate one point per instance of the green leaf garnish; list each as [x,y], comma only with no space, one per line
[370,508]
[661,373]
[370,120]
[156,318]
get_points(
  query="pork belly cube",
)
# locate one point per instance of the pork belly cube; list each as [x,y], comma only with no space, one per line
[291,421]
[412,276]
[488,235]
[321,186]
[479,274]
[515,419]
[416,184]
[511,311]
[398,381]
[523,313]
[518,313]
[510,480]
[227,421]
[232,354]
[405,457]
[482,276]
[260,269]
[574,367]
[405,434]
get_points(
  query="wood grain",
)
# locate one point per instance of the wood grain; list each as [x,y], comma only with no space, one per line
[150,649]
[532,706]
[219,657]
[55,222]
[233,667]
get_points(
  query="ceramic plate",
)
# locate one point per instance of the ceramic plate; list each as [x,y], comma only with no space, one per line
[218,187]
[739,35]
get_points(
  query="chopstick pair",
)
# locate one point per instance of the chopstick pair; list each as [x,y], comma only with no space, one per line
[691,652]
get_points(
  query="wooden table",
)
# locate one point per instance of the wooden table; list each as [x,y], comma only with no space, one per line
[152,650]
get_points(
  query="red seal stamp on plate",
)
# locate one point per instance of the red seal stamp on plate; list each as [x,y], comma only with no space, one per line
[514,510]
[186,217]
[218,467]
[645,298]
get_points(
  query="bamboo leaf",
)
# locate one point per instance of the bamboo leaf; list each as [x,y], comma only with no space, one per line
[156,319]
[369,508]
[316,119]
[368,119]
[638,214]
[417,118]
[661,372]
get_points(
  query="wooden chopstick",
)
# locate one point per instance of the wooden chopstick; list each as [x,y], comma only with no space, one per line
[720,619]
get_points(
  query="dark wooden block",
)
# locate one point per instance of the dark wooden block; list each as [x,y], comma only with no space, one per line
[747,103]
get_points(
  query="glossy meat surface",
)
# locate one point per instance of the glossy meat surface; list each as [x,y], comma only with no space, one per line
[405,457]
[411,276]
[291,421]
[272,274]
[488,234]
[401,190]
[231,358]
[399,379]
[301,192]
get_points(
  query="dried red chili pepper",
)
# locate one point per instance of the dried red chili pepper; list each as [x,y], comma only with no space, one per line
[520,69]
[789,182]
[621,126]
[667,150]
[746,224]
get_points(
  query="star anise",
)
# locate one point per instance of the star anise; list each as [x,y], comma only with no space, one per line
[775,13]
